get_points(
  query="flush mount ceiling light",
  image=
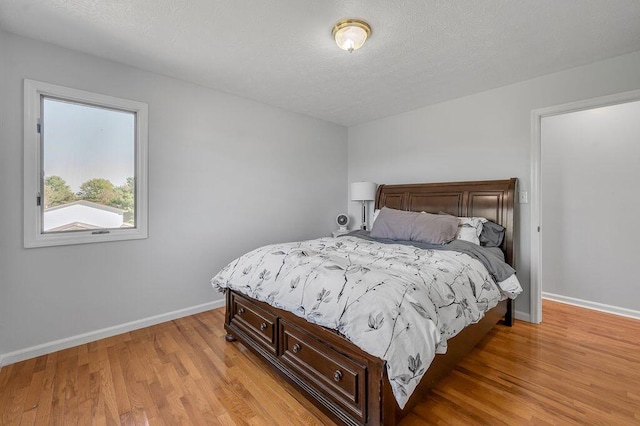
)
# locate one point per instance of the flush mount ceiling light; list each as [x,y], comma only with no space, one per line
[351,34]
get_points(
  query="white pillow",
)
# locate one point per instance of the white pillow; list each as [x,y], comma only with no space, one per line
[470,228]
[376,212]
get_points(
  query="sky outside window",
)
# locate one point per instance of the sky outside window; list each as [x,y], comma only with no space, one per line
[84,142]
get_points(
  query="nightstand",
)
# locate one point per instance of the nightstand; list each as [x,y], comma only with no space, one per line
[339,232]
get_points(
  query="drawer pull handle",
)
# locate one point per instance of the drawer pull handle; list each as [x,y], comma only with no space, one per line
[263,326]
[241,311]
[296,348]
[337,376]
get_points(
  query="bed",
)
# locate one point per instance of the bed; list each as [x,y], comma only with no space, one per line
[349,384]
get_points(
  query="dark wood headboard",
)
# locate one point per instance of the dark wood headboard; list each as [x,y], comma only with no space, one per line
[492,199]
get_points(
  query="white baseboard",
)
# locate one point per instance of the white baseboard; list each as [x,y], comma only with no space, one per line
[522,316]
[80,339]
[616,310]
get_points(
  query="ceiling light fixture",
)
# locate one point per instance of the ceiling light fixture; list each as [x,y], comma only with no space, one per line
[351,34]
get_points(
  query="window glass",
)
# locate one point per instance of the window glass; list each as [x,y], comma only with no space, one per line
[89,167]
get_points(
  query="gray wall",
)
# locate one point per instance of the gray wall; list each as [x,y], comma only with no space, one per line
[483,136]
[4,165]
[590,169]
[225,175]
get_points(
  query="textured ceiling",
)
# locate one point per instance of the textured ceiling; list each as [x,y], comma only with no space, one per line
[280,52]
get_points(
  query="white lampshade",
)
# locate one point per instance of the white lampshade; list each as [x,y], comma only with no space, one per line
[363,191]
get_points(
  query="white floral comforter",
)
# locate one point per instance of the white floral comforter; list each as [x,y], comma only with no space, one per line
[397,302]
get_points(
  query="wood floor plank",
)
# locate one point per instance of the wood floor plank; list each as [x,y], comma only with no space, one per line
[28,417]
[45,398]
[578,367]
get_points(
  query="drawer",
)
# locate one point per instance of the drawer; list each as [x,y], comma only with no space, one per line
[324,368]
[255,321]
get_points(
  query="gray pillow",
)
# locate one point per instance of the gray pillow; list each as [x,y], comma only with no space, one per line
[412,226]
[492,234]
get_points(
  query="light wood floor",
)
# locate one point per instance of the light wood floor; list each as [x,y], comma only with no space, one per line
[578,367]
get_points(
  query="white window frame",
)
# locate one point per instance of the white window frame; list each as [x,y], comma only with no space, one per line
[33,168]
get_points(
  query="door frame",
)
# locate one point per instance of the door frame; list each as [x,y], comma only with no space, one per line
[536,214]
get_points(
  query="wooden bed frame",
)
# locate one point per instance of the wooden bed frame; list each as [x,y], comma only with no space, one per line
[348,384]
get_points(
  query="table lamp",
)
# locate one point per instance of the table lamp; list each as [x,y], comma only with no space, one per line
[363,191]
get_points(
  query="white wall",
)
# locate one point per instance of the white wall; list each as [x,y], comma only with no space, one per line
[589,183]
[482,136]
[225,175]
[4,162]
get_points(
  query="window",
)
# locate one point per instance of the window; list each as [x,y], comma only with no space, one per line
[85,167]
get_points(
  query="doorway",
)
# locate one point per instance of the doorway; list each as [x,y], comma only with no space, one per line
[586,175]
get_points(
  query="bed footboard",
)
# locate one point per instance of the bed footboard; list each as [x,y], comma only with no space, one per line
[345,382]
